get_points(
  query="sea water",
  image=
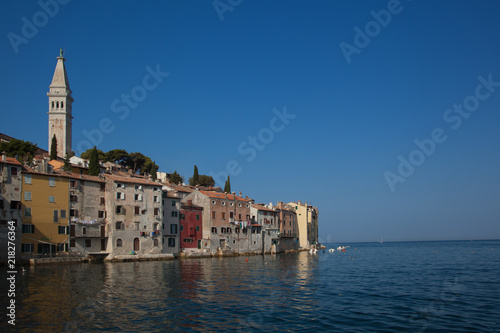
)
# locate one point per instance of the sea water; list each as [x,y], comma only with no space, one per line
[449,286]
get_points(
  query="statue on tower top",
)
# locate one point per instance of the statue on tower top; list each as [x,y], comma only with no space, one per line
[61,52]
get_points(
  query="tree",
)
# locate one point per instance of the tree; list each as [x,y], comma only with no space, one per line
[119,156]
[205,180]
[175,178]
[53,148]
[67,165]
[100,154]
[227,186]
[24,151]
[193,181]
[94,167]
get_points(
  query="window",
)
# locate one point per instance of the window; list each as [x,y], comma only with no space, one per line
[84,230]
[173,203]
[155,242]
[88,243]
[27,196]
[138,187]
[120,185]
[73,183]
[173,229]
[171,242]
[1,202]
[28,229]
[52,181]
[73,198]
[239,205]
[138,197]
[13,171]
[223,215]
[231,215]
[63,213]
[155,227]
[182,216]
[174,214]
[103,201]
[27,211]
[119,242]
[120,210]
[239,217]
[72,242]
[101,214]
[120,196]
[245,230]
[27,179]
[52,198]
[229,230]
[197,217]
[182,227]
[137,225]
[155,199]
[231,204]
[62,105]
[213,202]
[157,212]
[28,247]
[62,230]
[213,215]
[119,226]
[237,230]
[248,206]
[214,230]
[248,217]
[223,203]
[103,187]
[73,213]
[137,210]
[222,230]
[155,189]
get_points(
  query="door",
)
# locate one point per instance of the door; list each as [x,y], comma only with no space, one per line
[103,245]
[136,244]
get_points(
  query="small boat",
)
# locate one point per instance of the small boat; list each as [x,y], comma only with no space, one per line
[331,250]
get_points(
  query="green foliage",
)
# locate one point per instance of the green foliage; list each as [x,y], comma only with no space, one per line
[175,178]
[205,180]
[24,150]
[100,154]
[94,167]
[193,181]
[53,148]
[67,165]
[227,186]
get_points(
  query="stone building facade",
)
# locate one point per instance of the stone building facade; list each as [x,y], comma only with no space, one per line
[171,222]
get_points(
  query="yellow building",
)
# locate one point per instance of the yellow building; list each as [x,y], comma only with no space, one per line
[307,220]
[45,211]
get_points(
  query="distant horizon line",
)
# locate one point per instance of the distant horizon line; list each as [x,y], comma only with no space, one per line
[407,241]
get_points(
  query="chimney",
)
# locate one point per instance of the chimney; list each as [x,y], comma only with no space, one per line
[4,156]
[129,170]
[240,193]
[190,202]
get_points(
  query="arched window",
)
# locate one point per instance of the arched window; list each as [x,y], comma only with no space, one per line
[57,105]
[119,242]
[62,105]
[53,104]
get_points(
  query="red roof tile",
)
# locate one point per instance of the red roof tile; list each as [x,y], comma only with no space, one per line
[218,195]
[131,180]
[10,160]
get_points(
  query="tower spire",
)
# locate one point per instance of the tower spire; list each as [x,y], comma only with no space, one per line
[60,108]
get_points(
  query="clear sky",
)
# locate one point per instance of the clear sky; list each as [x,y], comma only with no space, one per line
[318,101]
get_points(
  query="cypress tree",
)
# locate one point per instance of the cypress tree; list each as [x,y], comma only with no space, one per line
[196,176]
[94,167]
[53,148]
[67,166]
[227,186]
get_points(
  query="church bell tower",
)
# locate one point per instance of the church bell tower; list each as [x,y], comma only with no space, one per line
[60,104]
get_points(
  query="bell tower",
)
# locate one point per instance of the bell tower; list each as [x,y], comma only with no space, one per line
[60,104]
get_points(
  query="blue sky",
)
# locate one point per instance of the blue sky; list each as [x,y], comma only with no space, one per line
[352,116]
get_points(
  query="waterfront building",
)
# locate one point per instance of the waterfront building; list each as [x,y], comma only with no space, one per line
[60,109]
[307,221]
[288,227]
[227,227]
[268,219]
[10,204]
[191,219]
[87,198]
[171,222]
[45,208]
[133,218]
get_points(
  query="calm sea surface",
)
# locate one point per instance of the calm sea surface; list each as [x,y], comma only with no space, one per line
[389,287]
